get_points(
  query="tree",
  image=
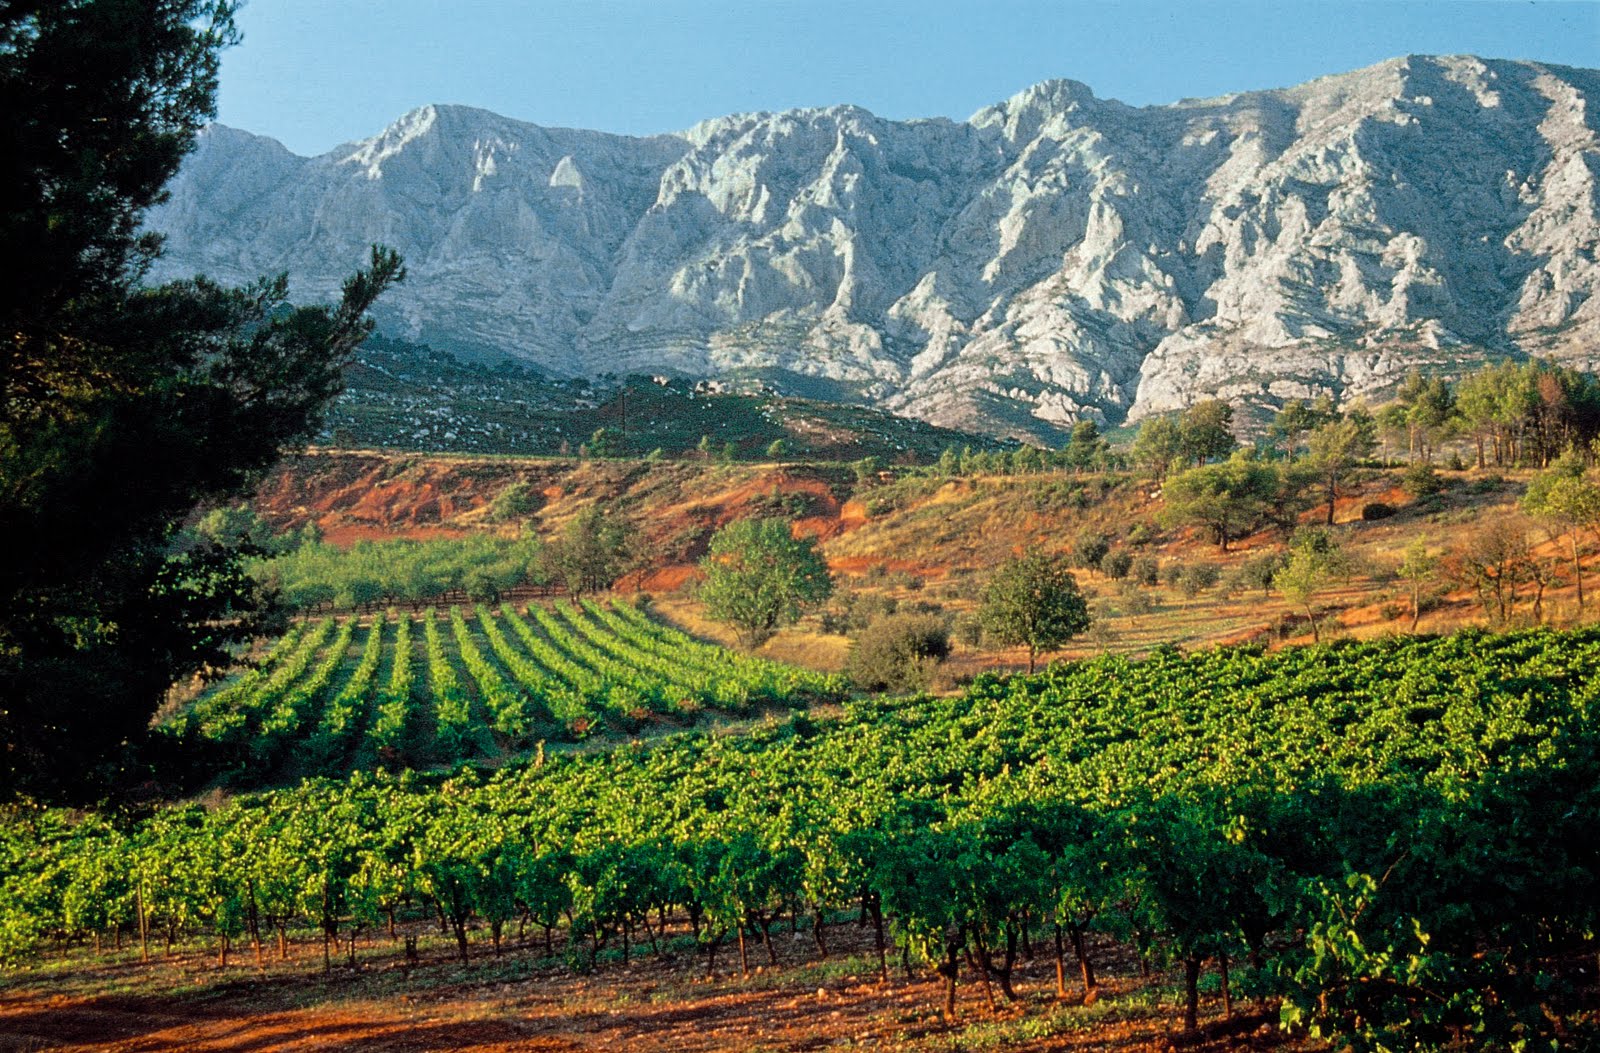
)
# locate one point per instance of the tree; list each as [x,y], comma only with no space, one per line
[777,450]
[589,555]
[758,575]
[1292,421]
[1206,430]
[1085,446]
[517,500]
[1229,499]
[1033,601]
[1430,408]
[1315,559]
[1562,495]
[1157,447]
[1334,450]
[146,402]
[1494,562]
[1477,401]
[605,442]
[1418,568]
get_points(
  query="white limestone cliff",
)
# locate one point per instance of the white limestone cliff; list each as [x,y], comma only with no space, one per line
[1056,255]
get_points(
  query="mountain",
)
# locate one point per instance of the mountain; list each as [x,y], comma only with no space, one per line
[1056,255]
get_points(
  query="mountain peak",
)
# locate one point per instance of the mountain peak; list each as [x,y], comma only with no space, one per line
[1059,256]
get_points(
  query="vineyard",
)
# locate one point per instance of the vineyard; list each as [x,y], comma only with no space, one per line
[1392,841]
[402,690]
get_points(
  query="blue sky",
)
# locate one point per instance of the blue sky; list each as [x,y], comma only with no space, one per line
[315,73]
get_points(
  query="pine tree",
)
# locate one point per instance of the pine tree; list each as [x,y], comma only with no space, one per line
[126,407]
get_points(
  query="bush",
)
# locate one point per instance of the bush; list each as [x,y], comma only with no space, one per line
[899,652]
[1172,574]
[1376,510]
[853,612]
[514,502]
[1489,484]
[1141,534]
[1257,572]
[968,629]
[1116,564]
[1198,577]
[1134,601]
[1089,550]
[1146,570]
[1420,480]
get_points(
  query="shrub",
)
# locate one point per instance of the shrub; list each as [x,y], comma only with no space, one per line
[1172,574]
[853,612]
[1420,480]
[1141,534]
[899,652]
[1089,549]
[1197,577]
[1456,463]
[1376,510]
[1257,572]
[1134,601]
[515,501]
[968,629]
[1116,564]
[1146,570]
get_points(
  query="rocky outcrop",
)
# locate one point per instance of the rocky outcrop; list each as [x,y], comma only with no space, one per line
[1057,255]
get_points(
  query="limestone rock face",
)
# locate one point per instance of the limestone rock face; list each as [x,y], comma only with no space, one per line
[1055,256]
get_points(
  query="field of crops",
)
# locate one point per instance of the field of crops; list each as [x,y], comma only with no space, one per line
[402,689]
[1393,839]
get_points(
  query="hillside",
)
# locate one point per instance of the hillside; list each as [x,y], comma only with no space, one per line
[404,396]
[1057,255]
[921,538]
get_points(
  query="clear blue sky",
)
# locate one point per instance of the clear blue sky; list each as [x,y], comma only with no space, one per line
[315,73]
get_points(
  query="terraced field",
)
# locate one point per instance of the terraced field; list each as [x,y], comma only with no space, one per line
[411,690]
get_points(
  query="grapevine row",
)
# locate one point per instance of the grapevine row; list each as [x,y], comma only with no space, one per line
[452,710]
[1308,818]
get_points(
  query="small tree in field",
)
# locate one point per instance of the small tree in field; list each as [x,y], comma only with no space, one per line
[758,575]
[1564,498]
[1033,602]
[1418,569]
[1315,560]
[589,555]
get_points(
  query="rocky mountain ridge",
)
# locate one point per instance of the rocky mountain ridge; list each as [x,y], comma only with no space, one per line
[1056,255]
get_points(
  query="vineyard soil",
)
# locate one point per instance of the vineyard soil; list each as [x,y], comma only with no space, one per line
[654,1006]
